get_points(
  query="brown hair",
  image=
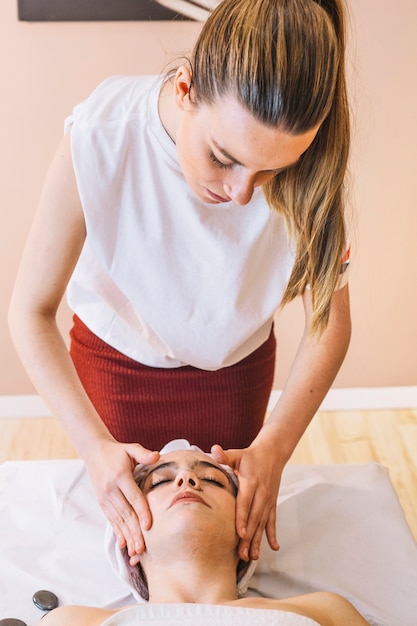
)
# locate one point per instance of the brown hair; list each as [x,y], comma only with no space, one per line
[284,61]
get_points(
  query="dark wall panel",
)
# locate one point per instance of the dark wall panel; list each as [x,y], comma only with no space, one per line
[93,10]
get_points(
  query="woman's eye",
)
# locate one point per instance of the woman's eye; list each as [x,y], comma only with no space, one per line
[158,483]
[220,164]
[210,479]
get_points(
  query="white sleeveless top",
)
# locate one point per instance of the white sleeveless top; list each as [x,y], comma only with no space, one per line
[205,615]
[163,277]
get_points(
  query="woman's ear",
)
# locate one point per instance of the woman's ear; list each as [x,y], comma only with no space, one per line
[182,85]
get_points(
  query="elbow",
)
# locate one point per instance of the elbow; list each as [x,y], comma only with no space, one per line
[27,319]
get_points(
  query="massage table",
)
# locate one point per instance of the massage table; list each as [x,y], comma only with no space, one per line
[341,528]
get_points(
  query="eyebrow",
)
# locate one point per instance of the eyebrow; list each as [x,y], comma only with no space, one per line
[228,156]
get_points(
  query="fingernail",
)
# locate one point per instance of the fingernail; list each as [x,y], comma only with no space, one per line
[145,523]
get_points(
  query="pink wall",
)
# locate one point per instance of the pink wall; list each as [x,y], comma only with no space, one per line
[47,68]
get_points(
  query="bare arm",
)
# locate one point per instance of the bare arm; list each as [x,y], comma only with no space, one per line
[50,255]
[260,466]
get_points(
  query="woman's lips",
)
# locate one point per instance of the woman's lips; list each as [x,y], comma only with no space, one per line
[187,496]
[216,197]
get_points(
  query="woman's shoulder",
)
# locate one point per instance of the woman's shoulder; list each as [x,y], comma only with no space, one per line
[125,84]
[116,97]
[80,615]
[325,607]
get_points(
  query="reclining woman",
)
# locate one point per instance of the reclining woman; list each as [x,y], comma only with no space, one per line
[189,570]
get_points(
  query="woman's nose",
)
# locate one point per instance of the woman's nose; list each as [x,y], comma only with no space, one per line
[187,478]
[240,190]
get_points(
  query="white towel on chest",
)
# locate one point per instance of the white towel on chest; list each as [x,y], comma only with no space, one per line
[204,615]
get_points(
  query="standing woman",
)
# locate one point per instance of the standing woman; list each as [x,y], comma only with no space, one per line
[182,212]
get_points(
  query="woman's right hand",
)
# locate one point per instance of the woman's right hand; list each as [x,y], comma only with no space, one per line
[111,467]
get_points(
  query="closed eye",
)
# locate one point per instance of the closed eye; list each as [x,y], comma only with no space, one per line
[209,479]
[227,166]
[218,163]
[159,483]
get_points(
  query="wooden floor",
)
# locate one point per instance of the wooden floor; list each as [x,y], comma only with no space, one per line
[387,437]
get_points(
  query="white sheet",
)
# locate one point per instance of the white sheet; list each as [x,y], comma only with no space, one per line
[341,528]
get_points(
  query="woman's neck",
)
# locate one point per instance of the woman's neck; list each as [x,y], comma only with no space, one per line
[192,580]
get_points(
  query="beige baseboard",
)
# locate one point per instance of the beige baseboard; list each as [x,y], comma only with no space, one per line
[363,398]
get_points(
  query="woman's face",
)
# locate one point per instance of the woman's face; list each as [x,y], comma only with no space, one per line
[225,152]
[190,497]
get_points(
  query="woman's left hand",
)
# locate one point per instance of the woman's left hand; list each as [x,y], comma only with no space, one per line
[259,479]
[259,466]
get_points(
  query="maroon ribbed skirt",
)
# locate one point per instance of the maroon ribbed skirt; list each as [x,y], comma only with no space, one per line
[151,405]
